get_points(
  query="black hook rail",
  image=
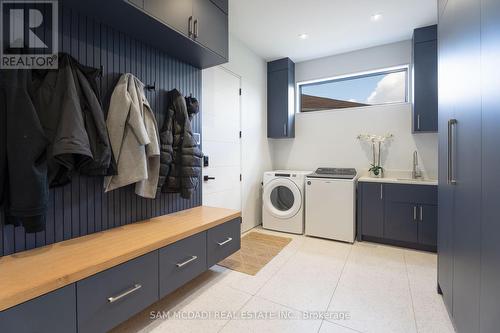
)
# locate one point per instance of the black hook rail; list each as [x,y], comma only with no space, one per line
[150,87]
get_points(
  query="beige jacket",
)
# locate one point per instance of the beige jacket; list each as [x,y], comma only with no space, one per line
[133,133]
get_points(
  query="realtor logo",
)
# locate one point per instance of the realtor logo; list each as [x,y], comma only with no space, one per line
[28,34]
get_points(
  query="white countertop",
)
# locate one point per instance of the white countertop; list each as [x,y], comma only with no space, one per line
[398,177]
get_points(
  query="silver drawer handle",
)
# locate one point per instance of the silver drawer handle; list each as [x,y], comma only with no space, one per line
[229,239]
[126,293]
[193,258]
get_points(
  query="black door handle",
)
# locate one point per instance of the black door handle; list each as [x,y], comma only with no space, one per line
[207,178]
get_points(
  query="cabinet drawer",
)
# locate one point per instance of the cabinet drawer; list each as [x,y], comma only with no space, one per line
[223,241]
[182,261]
[106,299]
[54,312]
[422,194]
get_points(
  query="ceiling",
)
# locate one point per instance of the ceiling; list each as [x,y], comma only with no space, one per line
[271,28]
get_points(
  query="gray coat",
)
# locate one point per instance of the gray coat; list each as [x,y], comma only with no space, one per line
[134,138]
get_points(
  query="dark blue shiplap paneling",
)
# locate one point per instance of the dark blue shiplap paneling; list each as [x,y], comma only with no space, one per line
[82,207]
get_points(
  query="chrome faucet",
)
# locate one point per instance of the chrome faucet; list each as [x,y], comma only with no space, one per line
[416,170]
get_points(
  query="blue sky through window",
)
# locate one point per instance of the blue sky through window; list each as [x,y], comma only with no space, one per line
[388,88]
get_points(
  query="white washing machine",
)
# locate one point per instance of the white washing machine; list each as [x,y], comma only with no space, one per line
[283,201]
[331,204]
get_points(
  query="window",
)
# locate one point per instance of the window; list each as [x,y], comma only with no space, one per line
[381,87]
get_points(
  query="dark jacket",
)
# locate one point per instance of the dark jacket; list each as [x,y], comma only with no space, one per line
[23,164]
[71,115]
[3,145]
[180,157]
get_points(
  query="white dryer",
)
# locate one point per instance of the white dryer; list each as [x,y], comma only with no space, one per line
[283,201]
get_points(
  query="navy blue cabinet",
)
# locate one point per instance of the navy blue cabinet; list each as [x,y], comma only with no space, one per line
[281,98]
[466,164]
[181,262]
[446,190]
[210,27]
[172,12]
[489,316]
[469,191]
[222,241]
[427,226]
[371,210]
[425,80]
[398,214]
[54,312]
[193,31]
[400,222]
[110,297]
[460,161]
[222,4]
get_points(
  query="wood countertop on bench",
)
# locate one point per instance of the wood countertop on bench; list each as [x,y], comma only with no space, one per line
[29,274]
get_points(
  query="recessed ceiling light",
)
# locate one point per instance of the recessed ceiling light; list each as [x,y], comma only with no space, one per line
[303,36]
[376,17]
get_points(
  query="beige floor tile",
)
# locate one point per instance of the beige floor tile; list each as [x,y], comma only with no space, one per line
[214,305]
[327,327]
[306,282]
[422,269]
[430,313]
[374,291]
[383,259]
[285,319]
[325,247]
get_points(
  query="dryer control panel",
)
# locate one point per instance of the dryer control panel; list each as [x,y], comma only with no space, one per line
[339,173]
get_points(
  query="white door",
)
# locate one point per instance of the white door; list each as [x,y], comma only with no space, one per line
[221,138]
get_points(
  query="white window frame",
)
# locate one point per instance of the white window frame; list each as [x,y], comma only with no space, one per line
[356,75]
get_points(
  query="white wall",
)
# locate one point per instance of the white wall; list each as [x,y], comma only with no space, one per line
[388,55]
[328,138]
[255,148]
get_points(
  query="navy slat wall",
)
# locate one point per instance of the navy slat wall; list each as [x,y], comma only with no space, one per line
[82,207]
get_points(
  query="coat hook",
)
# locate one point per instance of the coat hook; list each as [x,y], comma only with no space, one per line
[151,87]
[101,70]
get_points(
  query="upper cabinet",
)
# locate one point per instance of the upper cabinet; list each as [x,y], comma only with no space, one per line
[177,14]
[209,24]
[203,21]
[193,31]
[280,99]
[425,80]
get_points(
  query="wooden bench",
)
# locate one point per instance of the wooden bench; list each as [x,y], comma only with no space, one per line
[95,282]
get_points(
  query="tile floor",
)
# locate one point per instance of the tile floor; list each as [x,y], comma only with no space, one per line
[363,287]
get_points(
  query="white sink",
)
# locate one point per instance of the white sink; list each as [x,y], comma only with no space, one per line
[400,177]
